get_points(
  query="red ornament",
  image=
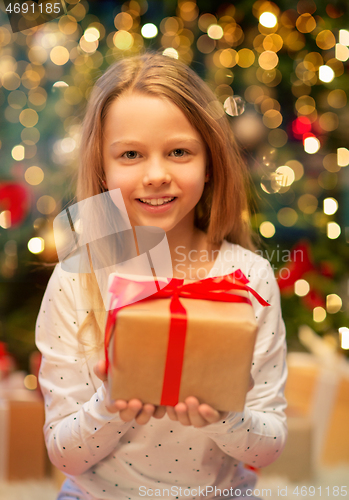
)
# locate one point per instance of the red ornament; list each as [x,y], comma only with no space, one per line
[301,126]
[313,299]
[15,198]
[301,263]
[327,269]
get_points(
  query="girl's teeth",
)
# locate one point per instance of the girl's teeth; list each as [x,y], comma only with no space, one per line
[159,201]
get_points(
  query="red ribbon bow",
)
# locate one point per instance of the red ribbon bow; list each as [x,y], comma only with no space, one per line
[216,288]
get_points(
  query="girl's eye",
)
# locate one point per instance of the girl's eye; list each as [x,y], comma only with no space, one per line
[133,155]
[181,151]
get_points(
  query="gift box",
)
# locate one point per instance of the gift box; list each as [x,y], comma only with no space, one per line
[318,389]
[187,339]
[22,453]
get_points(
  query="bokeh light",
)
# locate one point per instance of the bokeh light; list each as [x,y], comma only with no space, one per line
[344,335]
[341,52]
[215,31]
[330,206]
[149,30]
[5,219]
[18,153]
[267,229]
[287,216]
[28,117]
[325,40]
[91,34]
[36,245]
[333,303]
[344,37]
[46,204]
[329,121]
[311,145]
[343,157]
[30,382]
[59,55]
[268,19]
[34,175]
[319,314]
[301,287]
[330,162]
[307,203]
[268,60]
[326,74]
[305,23]
[333,230]
[123,21]
[123,40]
[285,175]
[171,52]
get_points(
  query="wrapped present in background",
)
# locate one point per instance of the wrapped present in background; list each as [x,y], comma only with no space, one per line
[164,348]
[317,391]
[22,452]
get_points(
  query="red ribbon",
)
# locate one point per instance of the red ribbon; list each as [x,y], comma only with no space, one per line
[216,288]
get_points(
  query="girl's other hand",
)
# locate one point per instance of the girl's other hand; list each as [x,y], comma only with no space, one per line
[198,415]
[192,413]
[129,410]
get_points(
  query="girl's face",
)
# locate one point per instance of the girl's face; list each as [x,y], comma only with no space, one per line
[152,152]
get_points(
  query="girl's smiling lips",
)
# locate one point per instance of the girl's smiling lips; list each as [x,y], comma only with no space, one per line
[157,208]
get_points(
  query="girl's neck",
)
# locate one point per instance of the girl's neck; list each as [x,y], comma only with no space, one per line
[191,253]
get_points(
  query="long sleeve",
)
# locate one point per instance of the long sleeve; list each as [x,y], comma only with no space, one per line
[79,430]
[257,435]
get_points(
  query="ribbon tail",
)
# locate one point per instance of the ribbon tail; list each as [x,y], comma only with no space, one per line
[258,297]
[175,354]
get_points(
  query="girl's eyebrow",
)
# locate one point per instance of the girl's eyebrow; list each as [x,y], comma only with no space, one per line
[128,142]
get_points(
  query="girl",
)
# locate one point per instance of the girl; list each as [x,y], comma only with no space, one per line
[154,130]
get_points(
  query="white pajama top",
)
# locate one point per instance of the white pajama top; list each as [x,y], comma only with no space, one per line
[106,458]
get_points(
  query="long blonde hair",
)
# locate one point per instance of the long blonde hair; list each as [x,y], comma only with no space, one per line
[223,210]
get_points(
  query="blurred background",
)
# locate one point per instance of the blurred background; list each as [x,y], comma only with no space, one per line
[281,74]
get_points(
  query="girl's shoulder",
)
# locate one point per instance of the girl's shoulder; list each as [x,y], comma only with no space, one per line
[240,256]
[257,269]
[63,282]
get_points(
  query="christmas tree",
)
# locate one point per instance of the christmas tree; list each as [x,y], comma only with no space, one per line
[281,75]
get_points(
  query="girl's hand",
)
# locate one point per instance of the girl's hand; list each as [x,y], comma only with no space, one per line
[129,410]
[198,415]
[192,413]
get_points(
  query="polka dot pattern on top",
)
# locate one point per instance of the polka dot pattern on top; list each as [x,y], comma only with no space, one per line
[106,458]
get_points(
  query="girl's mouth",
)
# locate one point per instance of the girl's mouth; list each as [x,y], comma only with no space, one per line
[164,206]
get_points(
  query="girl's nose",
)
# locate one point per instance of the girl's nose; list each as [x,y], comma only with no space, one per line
[156,173]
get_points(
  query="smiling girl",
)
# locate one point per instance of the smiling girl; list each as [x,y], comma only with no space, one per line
[154,130]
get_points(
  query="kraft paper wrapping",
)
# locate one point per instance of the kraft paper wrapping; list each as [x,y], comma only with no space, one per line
[217,359]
